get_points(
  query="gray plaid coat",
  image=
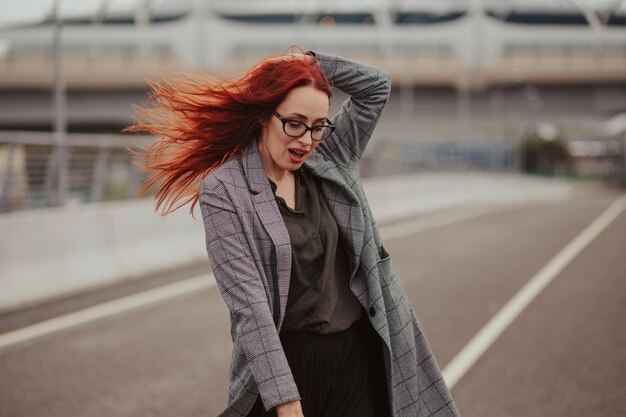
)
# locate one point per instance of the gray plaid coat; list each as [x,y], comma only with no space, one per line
[250,253]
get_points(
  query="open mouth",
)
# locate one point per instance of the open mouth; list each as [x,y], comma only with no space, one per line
[298,154]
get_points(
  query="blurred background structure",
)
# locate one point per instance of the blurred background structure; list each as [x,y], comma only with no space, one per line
[521,85]
[498,166]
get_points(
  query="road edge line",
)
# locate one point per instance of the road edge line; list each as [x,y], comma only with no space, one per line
[489,333]
[108,308]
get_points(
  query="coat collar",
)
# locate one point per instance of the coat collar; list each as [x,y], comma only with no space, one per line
[257,177]
[253,168]
[336,191]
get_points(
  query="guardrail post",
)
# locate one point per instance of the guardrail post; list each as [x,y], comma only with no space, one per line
[56,176]
[99,173]
[136,178]
[5,195]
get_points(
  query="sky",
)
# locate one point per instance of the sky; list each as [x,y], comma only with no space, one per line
[28,11]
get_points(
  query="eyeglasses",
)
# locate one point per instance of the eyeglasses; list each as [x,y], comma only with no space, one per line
[296,129]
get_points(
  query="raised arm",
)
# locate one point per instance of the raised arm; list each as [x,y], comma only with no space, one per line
[239,282]
[369,89]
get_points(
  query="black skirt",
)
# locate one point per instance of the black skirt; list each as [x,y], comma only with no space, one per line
[337,374]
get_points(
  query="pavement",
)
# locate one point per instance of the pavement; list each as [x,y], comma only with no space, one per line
[463,254]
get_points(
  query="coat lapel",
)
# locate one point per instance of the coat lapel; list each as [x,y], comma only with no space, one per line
[267,209]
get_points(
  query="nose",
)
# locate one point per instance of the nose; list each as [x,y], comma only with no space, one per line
[306,139]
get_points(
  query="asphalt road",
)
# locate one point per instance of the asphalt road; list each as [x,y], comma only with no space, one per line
[564,355]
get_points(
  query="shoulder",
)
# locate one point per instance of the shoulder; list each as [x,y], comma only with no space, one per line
[229,174]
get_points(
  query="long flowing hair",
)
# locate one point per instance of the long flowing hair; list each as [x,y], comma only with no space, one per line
[201,121]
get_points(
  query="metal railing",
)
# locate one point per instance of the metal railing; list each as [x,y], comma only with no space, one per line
[35,172]
[385,158]
[96,167]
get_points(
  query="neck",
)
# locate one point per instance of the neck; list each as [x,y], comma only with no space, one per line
[273,171]
[276,174]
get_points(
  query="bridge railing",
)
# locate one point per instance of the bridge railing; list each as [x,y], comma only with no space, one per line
[37,173]
[96,167]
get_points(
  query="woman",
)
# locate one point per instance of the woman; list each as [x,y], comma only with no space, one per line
[321,325]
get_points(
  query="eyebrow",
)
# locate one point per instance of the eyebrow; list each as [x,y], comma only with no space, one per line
[304,117]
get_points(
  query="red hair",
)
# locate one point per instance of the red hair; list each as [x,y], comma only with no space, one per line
[202,121]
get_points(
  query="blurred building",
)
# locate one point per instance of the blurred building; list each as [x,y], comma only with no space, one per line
[110,47]
[462,43]
[471,77]
[473,45]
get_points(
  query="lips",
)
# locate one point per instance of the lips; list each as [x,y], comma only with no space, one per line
[297,155]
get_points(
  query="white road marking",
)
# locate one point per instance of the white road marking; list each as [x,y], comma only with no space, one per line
[108,308]
[189,285]
[479,344]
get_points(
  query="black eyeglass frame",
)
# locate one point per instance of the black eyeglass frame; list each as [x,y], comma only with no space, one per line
[307,128]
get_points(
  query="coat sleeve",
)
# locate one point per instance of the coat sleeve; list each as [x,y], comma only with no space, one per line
[239,281]
[369,90]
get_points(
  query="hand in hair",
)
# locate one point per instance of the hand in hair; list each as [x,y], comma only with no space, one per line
[287,57]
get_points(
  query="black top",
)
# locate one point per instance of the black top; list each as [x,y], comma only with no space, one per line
[320,299]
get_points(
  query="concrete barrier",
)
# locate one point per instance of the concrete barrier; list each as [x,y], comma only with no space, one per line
[51,253]
[45,254]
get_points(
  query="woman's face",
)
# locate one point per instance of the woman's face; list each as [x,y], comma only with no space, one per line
[281,153]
